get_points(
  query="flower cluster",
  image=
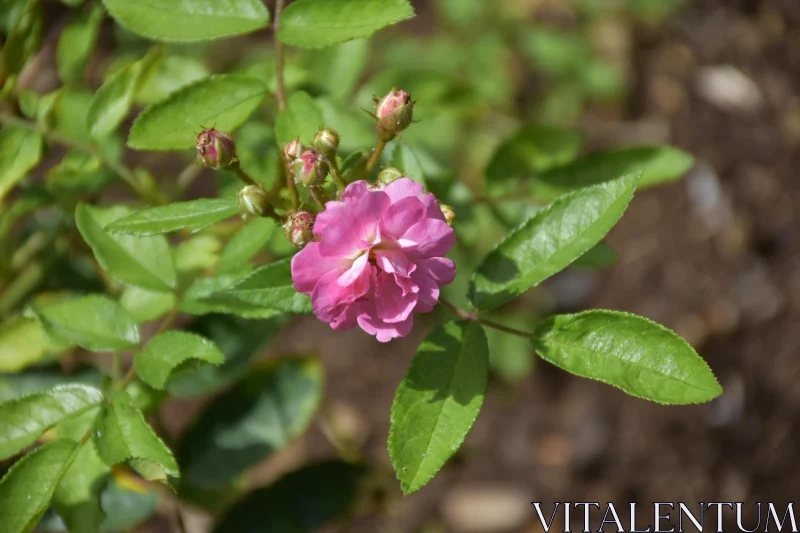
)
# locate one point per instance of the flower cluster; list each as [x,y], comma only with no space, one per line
[378,256]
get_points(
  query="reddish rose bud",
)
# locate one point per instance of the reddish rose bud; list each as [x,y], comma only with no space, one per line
[326,142]
[215,149]
[449,214]
[293,150]
[395,111]
[389,174]
[254,201]
[299,228]
[309,169]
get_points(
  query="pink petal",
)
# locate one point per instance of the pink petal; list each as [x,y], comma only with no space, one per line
[392,303]
[429,238]
[406,187]
[308,266]
[329,299]
[401,215]
[394,261]
[385,332]
[355,229]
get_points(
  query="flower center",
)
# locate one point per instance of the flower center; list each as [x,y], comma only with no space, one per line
[373,260]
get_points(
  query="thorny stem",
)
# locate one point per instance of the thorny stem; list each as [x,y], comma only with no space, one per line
[374,157]
[280,92]
[318,195]
[473,317]
[337,174]
[118,168]
[241,174]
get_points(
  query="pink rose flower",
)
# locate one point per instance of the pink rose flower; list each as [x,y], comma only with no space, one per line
[378,257]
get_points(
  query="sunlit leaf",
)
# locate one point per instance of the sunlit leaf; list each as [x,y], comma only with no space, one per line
[271,287]
[193,215]
[20,151]
[223,102]
[437,402]
[122,434]
[188,20]
[142,261]
[627,351]
[27,488]
[94,322]
[24,419]
[549,241]
[167,351]
[319,23]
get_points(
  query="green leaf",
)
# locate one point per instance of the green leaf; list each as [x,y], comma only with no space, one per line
[319,23]
[27,488]
[599,256]
[188,20]
[172,73]
[113,100]
[193,215]
[94,322]
[209,295]
[197,255]
[20,151]
[535,148]
[245,244]
[240,341]
[549,241]
[300,120]
[24,419]
[271,286]
[144,305]
[300,502]
[77,498]
[404,158]
[23,342]
[223,101]
[76,43]
[167,351]
[627,351]
[660,164]
[122,434]
[437,402]
[266,412]
[142,261]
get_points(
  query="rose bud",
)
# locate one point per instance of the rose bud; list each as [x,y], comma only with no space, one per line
[253,200]
[389,174]
[309,169]
[394,112]
[299,228]
[293,150]
[215,149]
[326,142]
[449,214]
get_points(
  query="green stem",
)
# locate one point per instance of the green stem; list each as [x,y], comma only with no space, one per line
[374,157]
[118,168]
[318,195]
[280,92]
[337,174]
[473,317]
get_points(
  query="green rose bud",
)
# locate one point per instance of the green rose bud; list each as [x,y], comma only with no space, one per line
[254,201]
[394,112]
[293,150]
[326,142]
[389,174]
[309,169]
[449,214]
[299,228]
[215,149]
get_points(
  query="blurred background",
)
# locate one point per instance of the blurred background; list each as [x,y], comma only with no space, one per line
[713,256]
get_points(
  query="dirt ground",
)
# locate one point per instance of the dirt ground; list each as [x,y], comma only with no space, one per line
[715,257]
